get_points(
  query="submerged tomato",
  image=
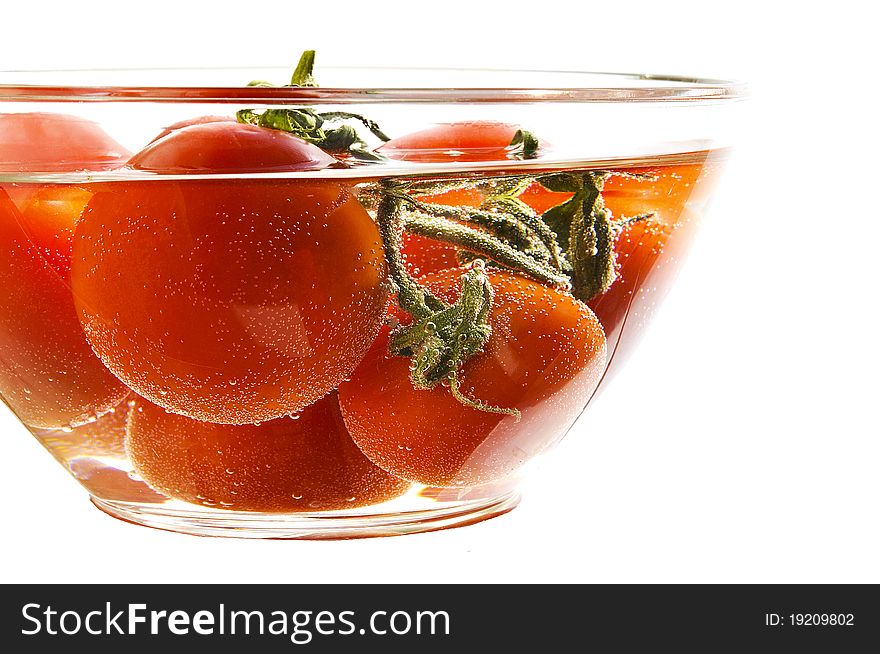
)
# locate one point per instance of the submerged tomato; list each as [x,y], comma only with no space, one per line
[665,195]
[544,357]
[231,301]
[304,463]
[48,373]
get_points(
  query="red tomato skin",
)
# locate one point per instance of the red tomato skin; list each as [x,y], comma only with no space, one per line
[231,301]
[49,375]
[545,357]
[476,140]
[229,147]
[286,465]
[56,143]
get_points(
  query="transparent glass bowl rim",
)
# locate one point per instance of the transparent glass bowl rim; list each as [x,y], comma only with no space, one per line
[615,87]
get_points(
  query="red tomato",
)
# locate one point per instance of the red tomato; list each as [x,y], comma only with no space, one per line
[48,373]
[229,147]
[56,143]
[286,465]
[199,120]
[231,301]
[544,357]
[476,140]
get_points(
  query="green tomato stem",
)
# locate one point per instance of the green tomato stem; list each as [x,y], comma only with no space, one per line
[484,244]
[303,73]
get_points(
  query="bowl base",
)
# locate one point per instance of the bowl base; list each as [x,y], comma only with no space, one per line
[233,524]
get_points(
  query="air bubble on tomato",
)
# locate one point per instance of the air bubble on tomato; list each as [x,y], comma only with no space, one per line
[231,301]
[283,465]
[544,357]
[48,373]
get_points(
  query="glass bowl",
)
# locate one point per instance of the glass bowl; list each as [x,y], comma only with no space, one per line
[245,311]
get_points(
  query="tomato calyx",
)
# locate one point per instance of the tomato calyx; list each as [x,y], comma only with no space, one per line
[524,145]
[442,341]
[327,130]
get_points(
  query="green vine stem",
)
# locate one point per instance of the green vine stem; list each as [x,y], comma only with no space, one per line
[503,225]
[523,213]
[481,243]
[586,230]
[570,246]
[303,74]
[411,296]
[371,125]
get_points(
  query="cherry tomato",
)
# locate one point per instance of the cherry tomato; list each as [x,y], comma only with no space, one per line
[56,143]
[48,373]
[476,140]
[649,253]
[304,463]
[229,147]
[231,301]
[544,357]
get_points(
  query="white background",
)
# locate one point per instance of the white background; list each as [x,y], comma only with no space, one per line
[739,444]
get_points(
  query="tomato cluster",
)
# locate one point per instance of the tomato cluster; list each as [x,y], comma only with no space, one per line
[649,252]
[246,315]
